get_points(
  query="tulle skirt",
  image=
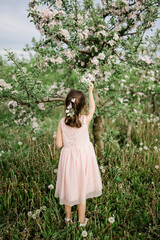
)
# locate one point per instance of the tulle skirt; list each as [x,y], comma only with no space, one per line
[78,176]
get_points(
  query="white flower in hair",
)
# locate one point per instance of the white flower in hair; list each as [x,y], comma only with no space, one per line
[73,100]
[69,106]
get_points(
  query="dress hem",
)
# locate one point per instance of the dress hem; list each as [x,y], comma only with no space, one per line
[89,195]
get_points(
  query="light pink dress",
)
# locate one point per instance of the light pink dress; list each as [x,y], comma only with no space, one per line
[78,176]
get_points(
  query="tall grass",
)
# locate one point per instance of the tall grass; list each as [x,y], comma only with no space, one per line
[130,179]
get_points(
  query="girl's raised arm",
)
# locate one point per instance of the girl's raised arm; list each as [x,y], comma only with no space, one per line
[91,104]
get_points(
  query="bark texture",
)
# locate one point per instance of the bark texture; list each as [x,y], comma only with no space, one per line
[98,130]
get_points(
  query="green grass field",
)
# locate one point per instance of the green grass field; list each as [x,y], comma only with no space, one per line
[131,189]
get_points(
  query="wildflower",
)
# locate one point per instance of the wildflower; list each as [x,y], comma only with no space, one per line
[55,170]
[38,211]
[156,140]
[145,147]
[127,145]
[141,144]
[155,147]
[50,186]
[29,214]
[84,233]
[103,170]
[54,135]
[33,138]
[101,167]
[19,143]
[156,166]
[111,219]
[34,216]
[43,208]
[140,149]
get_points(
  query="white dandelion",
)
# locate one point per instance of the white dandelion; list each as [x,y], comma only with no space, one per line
[84,233]
[43,208]
[19,143]
[145,147]
[156,166]
[38,211]
[29,213]
[111,219]
[34,216]
[50,186]
[155,147]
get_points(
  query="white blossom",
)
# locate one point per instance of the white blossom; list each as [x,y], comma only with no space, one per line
[101,56]
[41,106]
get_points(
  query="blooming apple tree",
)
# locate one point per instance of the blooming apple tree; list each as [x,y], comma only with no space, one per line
[100,43]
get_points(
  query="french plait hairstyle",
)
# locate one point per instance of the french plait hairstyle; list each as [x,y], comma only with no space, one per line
[75,102]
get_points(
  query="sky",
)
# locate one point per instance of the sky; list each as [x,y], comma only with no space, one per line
[16,30]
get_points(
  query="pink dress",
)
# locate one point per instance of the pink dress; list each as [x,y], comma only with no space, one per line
[78,176]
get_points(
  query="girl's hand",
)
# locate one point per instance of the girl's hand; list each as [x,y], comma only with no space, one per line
[91,86]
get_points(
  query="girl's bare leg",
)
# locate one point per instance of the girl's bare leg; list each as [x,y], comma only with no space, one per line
[68,211]
[81,212]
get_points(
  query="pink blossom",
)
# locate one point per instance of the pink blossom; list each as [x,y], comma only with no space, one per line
[65,33]
[95,61]
[101,26]
[101,56]
[62,12]
[46,13]
[116,37]
[103,32]
[59,60]
[111,42]
[117,27]
[152,24]
[58,3]
[86,33]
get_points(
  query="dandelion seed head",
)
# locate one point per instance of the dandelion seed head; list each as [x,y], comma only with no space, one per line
[111,219]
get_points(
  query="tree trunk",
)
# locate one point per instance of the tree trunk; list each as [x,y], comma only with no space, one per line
[154,102]
[129,128]
[98,130]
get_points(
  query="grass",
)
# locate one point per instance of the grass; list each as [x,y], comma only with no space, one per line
[130,180]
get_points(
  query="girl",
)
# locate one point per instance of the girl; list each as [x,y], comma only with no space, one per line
[78,176]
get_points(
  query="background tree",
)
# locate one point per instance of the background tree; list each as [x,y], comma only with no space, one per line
[94,42]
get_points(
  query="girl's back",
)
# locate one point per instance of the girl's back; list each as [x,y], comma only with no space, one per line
[75,137]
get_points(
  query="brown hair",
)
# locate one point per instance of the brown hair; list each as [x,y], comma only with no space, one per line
[78,105]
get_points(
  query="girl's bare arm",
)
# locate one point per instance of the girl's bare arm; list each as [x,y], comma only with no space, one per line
[59,140]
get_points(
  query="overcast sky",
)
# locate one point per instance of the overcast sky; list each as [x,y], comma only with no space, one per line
[16,29]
